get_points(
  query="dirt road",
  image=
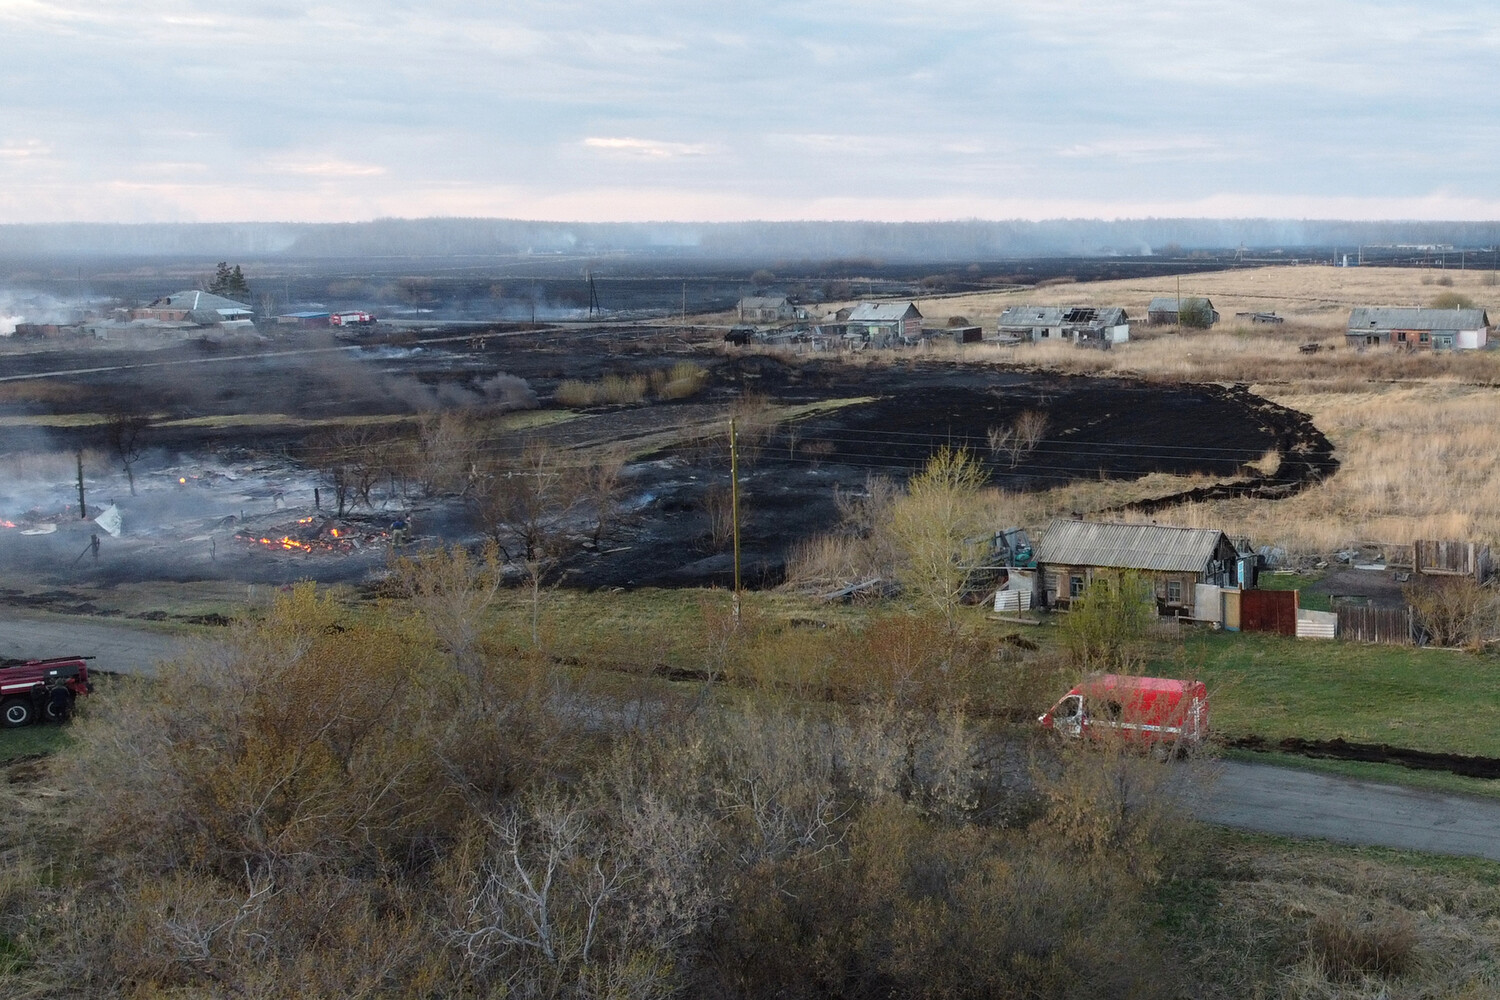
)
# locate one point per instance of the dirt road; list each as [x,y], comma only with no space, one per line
[116,646]
[1295,803]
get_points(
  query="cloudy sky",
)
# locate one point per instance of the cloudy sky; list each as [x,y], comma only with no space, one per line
[598,110]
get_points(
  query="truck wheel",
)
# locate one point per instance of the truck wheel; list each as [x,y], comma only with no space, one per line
[58,706]
[16,712]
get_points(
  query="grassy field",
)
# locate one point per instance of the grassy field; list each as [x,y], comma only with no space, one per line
[1275,687]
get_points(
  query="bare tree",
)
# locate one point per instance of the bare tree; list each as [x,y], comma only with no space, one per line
[1020,438]
[125,428]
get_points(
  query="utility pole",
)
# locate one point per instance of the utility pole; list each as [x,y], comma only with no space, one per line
[734,509]
[83,511]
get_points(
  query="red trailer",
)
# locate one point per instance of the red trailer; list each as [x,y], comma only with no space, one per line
[1140,709]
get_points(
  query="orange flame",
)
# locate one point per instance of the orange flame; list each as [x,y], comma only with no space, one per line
[7,524]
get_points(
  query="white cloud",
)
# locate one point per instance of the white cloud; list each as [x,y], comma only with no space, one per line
[324,168]
[647,149]
[24,149]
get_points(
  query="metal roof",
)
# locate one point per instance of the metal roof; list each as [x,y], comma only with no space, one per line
[1398,318]
[201,300]
[883,312]
[1128,546]
[1168,303]
[1029,316]
[763,302]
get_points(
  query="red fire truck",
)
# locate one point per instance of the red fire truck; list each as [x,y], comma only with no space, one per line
[1148,710]
[32,689]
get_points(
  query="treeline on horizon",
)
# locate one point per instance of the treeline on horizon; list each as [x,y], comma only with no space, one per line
[803,240]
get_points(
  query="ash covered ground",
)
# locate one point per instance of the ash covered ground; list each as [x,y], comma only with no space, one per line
[221,492]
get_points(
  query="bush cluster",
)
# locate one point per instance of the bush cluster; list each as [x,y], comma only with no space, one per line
[397,804]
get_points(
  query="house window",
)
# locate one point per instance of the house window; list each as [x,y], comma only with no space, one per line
[1174,591]
[1075,586]
[1423,337]
[1401,336]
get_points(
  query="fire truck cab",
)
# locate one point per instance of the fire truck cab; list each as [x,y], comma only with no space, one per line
[1146,710]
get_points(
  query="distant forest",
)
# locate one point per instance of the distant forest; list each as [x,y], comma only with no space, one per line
[929,241]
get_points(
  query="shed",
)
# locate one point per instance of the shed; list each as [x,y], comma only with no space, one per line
[1417,329]
[1167,310]
[1072,554]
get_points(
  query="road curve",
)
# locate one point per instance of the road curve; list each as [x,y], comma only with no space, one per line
[1258,797]
[1296,803]
[117,646]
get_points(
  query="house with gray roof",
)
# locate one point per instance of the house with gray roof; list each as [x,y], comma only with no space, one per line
[884,324]
[1417,329]
[1086,326]
[765,309]
[196,307]
[1072,555]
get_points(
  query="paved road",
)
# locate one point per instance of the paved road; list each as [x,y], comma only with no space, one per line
[116,646]
[1297,803]
[1248,796]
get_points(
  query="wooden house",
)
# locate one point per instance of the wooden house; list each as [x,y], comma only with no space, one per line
[765,309]
[884,324]
[1074,554]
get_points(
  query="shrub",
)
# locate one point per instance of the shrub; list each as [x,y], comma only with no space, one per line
[1452,300]
[1352,945]
[575,393]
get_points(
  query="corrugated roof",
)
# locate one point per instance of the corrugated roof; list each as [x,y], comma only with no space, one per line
[1128,546]
[1168,303]
[882,312]
[1029,316]
[195,299]
[1412,318]
[763,302]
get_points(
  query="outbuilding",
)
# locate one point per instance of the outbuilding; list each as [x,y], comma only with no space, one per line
[1169,310]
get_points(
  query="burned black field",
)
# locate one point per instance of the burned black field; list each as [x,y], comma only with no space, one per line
[224,451]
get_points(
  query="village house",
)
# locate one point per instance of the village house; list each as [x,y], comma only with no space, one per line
[1072,555]
[765,309]
[1417,329]
[197,308]
[883,324]
[1167,310]
[1086,326]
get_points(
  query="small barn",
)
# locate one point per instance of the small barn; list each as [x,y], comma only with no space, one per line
[1417,329]
[765,309]
[1168,310]
[1073,554]
[884,324]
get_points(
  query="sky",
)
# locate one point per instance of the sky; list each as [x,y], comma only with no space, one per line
[704,110]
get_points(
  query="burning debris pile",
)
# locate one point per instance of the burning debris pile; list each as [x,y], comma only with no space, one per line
[316,535]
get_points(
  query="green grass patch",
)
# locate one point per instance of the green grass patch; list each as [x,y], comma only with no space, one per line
[32,741]
[1300,582]
[1275,687]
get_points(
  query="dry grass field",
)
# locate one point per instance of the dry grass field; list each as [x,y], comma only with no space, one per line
[1312,295]
[1417,435]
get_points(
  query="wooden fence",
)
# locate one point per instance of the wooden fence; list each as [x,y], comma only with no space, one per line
[1386,625]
